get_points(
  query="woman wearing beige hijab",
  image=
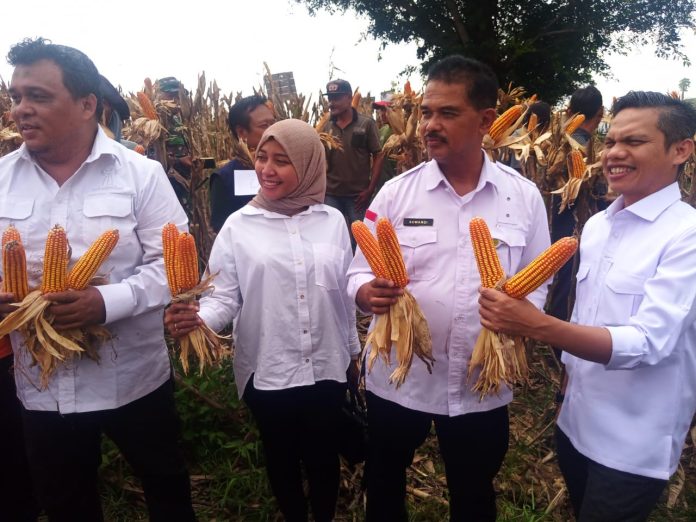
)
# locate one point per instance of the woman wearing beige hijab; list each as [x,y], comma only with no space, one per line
[281,263]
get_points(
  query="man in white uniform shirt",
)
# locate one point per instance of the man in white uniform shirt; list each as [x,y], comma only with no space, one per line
[430,207]
[69,172]
[630,348]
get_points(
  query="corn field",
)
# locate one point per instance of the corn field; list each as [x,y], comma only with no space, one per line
[550,157]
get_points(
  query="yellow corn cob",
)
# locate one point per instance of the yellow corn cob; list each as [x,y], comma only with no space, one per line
[55,265]
[574,122]
[146,105]
[576,165]
[407,88]
[355,102]
[370,249]
[14,268]
[10,234]
[544,266]
[532,123]
[484,251]
[85,268]
[170,236]
[319,127]
[503,122]
[186,262]
[391,253]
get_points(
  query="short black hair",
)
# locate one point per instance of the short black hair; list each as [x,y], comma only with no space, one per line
[676,120]
[586,101]
[542,111]
[80,75]
[481,82]
[239,112]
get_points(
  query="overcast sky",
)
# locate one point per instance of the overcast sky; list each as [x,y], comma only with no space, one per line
[129,41]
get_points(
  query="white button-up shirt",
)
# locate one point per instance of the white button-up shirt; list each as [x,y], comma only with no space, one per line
[114,188]
[432,223]
[637,277]
[281,281]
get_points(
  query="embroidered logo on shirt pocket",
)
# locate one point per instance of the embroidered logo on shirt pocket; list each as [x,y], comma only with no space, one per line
[419,248]
[328,265]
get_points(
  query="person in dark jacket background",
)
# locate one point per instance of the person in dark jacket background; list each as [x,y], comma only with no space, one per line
[248,119]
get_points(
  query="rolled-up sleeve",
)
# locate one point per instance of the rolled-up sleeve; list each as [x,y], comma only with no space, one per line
[666,310]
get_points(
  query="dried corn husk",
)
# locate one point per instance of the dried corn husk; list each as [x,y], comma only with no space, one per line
[406,329]
[202,344]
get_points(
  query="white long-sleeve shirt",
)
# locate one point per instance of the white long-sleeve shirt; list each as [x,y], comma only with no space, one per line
[432,224]
[637,278]
[281,281]
[114,188]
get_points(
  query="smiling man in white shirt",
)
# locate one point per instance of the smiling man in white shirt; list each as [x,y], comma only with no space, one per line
[630,348]
[69,172]
[430,207]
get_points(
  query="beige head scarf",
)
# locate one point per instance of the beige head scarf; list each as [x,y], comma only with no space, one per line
[302,145]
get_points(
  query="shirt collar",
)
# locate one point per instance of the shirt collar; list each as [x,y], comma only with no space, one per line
[650,207]
[251,210]
[435,177]
[103,145]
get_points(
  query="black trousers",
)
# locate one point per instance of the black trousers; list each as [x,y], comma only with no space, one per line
[473,447]
[65,452]
[17,503]
[298,426]
[602,494]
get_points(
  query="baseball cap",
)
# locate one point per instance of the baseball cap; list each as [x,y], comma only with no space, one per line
[382,104]
[169,84]
[338,87]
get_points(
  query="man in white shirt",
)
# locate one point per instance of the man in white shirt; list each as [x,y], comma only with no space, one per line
[630,348]
[430,207]
[69,172]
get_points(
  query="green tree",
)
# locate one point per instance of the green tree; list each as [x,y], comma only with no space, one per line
[550,47]
[684,85]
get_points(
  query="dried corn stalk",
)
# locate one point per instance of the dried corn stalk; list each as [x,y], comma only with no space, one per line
[181,266]
[404,327]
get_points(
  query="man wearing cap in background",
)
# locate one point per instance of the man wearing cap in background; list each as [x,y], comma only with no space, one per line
[116,111]
[177,162]
[352,173]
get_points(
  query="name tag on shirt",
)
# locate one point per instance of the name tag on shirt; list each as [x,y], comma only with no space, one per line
[418,222]
[246,183]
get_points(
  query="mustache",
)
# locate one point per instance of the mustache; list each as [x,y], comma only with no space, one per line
[435,136]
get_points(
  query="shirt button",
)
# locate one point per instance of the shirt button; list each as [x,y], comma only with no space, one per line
[304,331]
[301,296]
[306,360]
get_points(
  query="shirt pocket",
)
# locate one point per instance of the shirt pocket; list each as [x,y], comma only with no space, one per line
[328,265]
[359,139]
[17,211]
[107,211]
[420,251]
[624,296]
[509,243]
